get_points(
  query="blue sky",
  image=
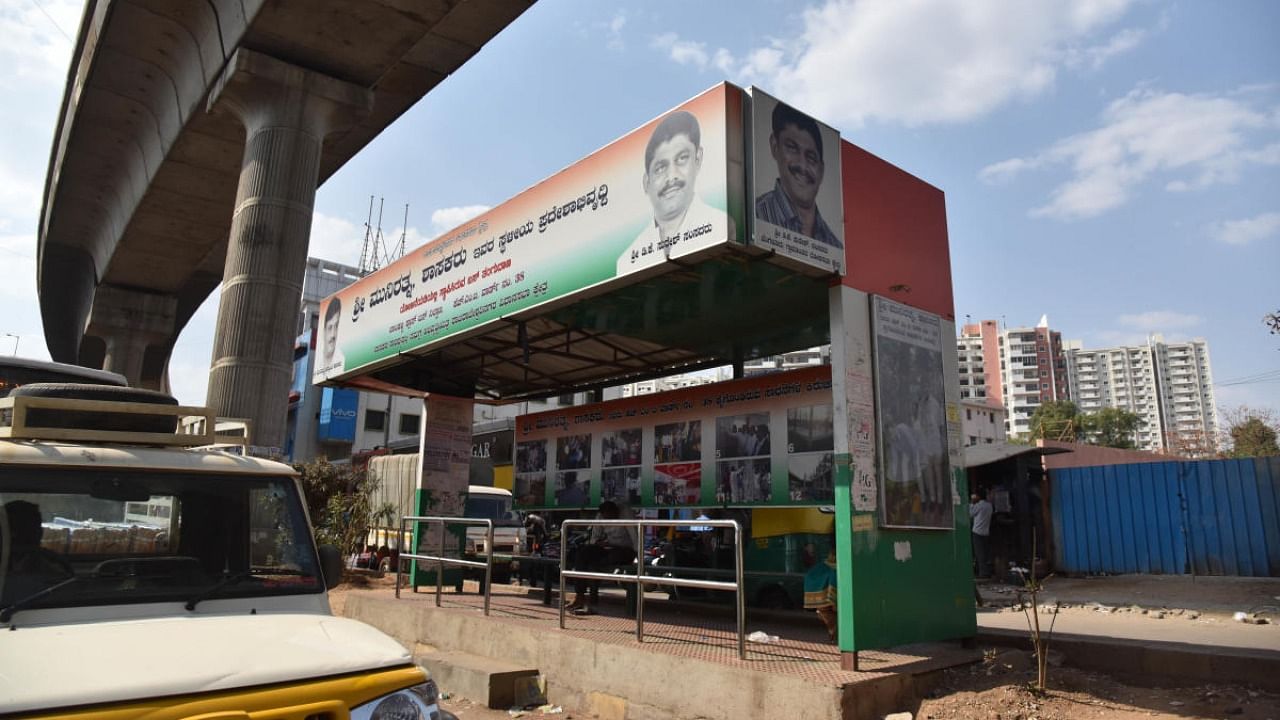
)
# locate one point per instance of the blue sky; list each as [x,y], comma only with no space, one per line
[1114,164]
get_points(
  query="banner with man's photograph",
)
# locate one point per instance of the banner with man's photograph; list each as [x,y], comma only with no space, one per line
[796,201]
[915,467]
[761,441]
[661,192]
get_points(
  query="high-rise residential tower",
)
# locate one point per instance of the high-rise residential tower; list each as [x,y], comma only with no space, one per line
[1169,386]
[1018,369]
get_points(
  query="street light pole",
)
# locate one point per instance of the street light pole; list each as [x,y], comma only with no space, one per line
[16,339]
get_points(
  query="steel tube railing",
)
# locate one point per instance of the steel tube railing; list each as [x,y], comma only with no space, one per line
[640,579]
[441,560]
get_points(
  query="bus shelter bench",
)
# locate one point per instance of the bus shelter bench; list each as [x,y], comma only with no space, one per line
[548,569]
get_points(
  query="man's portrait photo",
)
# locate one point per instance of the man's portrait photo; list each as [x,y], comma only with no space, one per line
[796,149]
[330,358]
[672,159]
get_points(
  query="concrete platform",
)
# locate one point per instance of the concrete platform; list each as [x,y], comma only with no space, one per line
[475,677]
[688,666]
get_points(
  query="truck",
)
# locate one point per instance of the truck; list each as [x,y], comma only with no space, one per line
[139,577]
[397,481]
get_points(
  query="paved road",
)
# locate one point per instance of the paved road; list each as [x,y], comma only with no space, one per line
[1207,630]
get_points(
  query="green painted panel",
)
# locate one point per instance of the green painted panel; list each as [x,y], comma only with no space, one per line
[912,585]
[426,575]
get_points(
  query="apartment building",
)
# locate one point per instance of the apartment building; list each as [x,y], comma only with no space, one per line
[1017,369]
[981,423]
[1169,386]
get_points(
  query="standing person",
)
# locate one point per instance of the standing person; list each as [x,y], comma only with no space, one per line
[672,160]
[796,146]
[607,546]
[980,511]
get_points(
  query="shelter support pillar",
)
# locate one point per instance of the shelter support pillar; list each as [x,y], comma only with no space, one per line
[444,470]
[135,329]
[287,111]
[855,477]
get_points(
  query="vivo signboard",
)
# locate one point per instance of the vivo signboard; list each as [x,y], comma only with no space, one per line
[338,410]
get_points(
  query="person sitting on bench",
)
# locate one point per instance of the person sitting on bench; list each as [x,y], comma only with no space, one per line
[608,546]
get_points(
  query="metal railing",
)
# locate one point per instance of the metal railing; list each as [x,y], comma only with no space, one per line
[441,560]
[640,579]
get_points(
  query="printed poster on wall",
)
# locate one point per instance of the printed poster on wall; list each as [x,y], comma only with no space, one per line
[795,190]
[761,441]
[658,193]
[914,459]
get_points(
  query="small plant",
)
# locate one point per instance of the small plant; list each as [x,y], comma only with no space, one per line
[1032,587]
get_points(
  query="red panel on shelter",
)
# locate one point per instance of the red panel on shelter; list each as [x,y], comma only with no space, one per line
[895,229]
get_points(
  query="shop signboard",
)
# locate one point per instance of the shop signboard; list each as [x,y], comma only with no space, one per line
[663,191]
[795,189]
[763,441]
[915,468]
[338,410]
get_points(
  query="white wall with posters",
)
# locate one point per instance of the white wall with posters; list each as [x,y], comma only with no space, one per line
[762,441]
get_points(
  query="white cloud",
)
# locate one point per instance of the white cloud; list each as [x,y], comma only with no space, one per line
[927,61]
[1159,320]
[1201,140]
[685,52]
[18,296]
[36,50]
[1006,170]
[614,36]
[1095,56]
[446,219]
[35,56]
[1248,230]
[336,239]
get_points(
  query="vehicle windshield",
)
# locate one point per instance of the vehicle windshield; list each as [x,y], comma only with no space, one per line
[493,507]
[75,538]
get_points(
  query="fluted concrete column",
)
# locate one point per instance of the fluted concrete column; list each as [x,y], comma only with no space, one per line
[287,111]
[129,323]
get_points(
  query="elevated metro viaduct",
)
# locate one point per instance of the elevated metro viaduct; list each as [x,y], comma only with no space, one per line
[190,142]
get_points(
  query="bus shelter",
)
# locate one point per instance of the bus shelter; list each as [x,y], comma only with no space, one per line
[729,228]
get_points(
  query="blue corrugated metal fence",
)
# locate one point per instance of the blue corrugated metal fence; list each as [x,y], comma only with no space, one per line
[1208,517]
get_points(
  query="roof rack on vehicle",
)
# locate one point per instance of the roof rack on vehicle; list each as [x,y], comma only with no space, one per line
[100,414]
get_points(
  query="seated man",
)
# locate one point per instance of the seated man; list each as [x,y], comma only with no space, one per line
[608,546]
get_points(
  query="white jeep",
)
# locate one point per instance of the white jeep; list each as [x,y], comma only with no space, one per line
[139,577]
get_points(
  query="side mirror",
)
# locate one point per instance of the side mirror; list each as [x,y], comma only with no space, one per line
[330,566]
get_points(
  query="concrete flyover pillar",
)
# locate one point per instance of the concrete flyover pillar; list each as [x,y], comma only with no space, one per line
[287,111]
[133,326]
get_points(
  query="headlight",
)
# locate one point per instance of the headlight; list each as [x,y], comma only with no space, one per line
[414,703]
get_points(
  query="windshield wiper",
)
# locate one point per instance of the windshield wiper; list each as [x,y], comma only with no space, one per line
[235,578]
[208,592]
[6,613]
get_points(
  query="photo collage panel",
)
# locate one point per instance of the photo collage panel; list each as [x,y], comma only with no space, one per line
[810,458]
[531,473]
[573,471]
[620,460]
[743,447]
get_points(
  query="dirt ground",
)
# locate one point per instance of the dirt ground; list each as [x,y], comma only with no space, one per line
[999,688]
[995,689]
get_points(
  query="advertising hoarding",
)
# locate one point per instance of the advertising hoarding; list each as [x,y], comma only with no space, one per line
[915,468]
[795,187]
[761,441]
[662,191]
[338,409]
